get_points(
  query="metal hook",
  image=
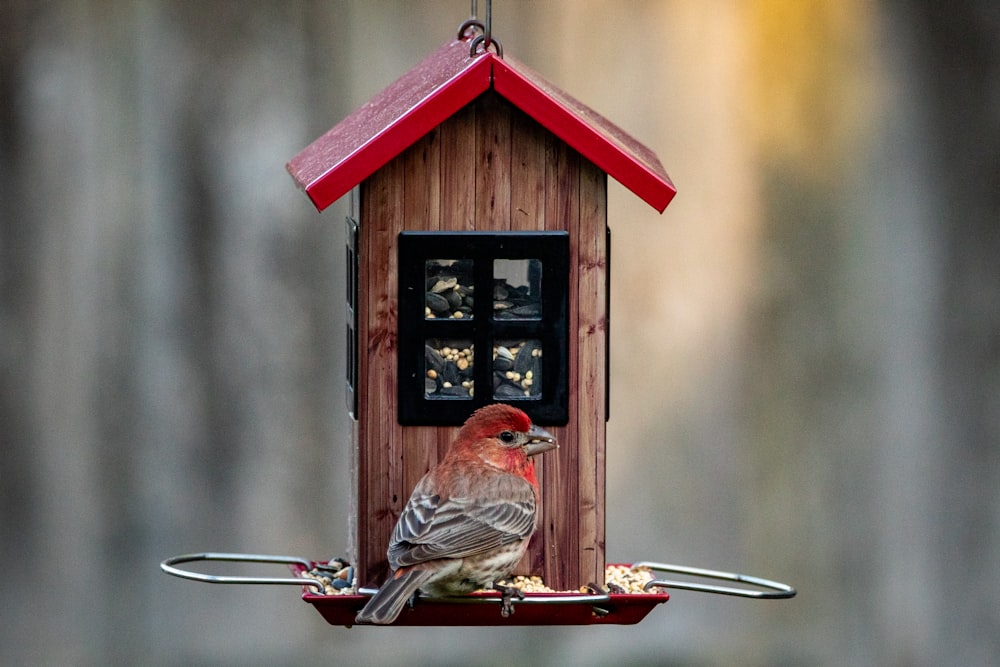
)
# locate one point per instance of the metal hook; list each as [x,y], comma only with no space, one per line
[469,24]
[481,39]
[472,22]
[775,590]
[485,37]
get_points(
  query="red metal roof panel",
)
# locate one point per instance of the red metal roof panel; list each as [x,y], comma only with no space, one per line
[439,86]
[596,138]
[389,123]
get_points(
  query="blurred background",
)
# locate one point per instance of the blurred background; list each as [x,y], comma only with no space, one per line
[805,346]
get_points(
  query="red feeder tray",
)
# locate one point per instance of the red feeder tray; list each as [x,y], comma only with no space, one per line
[485,608]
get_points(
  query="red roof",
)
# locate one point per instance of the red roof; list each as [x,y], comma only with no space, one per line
[443,83]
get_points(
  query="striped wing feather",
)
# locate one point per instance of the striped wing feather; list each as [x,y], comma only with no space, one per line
[433,527]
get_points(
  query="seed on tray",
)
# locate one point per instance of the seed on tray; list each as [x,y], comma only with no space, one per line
[336,576]
[618,579]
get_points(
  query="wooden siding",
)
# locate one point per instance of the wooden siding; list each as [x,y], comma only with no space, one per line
[488,168]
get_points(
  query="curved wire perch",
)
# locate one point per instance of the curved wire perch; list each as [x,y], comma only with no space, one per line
[168,567]
[775,590]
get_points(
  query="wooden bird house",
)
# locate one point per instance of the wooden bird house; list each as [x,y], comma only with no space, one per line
[478,272]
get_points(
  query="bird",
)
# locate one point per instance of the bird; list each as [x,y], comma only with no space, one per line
[469,519]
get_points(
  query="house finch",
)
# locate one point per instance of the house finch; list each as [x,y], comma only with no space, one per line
[469,519]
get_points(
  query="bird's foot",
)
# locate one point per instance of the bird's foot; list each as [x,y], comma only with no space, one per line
[507,595]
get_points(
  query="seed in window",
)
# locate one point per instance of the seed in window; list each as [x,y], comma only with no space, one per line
[449,289]
[517,289]
[517,368]
[448,367]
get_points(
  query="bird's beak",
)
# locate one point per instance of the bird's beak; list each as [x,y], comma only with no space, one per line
[540,441]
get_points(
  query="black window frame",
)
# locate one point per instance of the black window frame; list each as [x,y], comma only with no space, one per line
[415,248]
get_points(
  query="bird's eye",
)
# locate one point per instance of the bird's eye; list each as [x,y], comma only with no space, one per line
[507,436]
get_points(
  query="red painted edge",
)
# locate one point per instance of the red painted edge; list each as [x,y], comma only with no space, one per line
[325,181]
[593,136]
[620,609]
[444,82]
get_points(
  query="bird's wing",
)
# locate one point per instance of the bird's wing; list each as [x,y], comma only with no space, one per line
[431,527]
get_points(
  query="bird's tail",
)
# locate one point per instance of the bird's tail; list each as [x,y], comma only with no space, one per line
[386,604]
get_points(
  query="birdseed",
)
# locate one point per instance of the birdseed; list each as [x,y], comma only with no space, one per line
[337,577]
[617,579]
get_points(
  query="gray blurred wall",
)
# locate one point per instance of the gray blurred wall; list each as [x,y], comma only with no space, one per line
[805,346]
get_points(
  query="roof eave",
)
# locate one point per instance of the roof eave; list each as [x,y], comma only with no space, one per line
[590,134]
[445,82]
[359,145]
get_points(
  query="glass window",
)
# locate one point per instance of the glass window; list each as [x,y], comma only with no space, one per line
[448,367]
[441,324]
[517,289]
[449,288]
[517,369]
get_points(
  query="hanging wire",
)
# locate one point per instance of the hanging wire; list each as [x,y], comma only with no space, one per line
[488,30]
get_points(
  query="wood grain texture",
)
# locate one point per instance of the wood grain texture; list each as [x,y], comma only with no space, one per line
[421,210]
[591,366]
[559,478]
[457,191]
[489,167]
[381,484]
[527,177]
[492,153]
[458,171]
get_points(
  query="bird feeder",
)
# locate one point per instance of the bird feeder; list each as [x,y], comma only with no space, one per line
[477,272]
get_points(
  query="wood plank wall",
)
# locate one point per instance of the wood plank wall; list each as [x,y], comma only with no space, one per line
[488,168]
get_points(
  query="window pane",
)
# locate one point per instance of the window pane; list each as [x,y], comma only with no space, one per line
[448,368]
[517,369]
[517,289]
[449,288]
